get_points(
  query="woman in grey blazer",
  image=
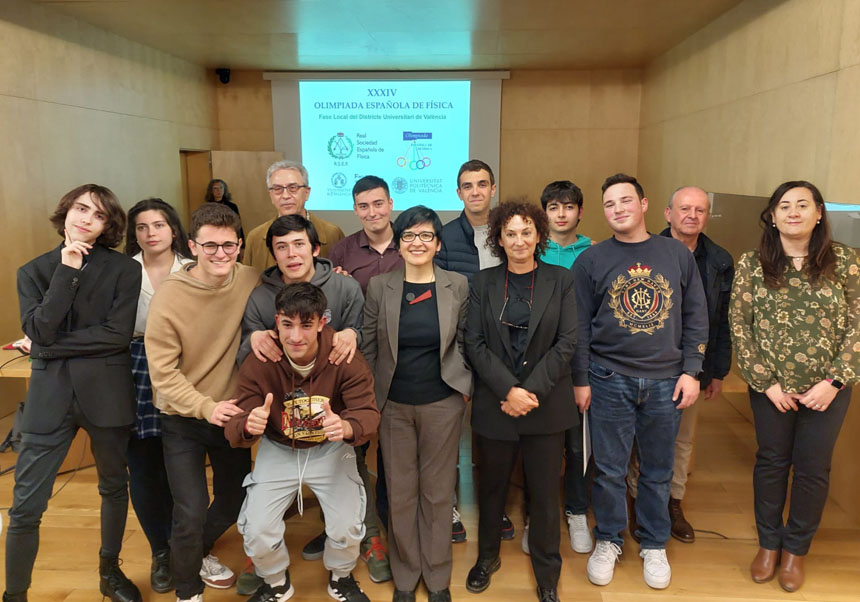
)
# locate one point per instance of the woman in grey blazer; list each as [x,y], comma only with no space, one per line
[413,340]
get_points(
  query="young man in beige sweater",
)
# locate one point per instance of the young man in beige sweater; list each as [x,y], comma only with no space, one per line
[192,336]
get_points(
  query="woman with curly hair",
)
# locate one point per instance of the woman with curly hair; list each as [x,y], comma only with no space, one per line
[520,338]
[795,317]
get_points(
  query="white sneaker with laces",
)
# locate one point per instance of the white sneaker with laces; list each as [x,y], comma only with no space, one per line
[656,569]
[525,541]
[580,534]
[601,563]
[214,574]
[194,598]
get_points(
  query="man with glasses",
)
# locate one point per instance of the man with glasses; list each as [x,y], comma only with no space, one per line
[287,182]
[192,337]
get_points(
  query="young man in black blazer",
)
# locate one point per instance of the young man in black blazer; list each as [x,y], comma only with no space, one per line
[78,305]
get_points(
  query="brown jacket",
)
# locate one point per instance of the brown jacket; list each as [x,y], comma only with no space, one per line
[296,415]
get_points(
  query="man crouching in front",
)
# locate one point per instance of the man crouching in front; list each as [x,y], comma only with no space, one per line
[309,413]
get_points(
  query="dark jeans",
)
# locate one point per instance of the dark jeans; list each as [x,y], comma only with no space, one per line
[197,524]
[624,407]
[39,459]
[150,490]
[804,439]
[541,466]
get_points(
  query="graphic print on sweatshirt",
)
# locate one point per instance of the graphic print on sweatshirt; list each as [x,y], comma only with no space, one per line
[302,418]
[640,302]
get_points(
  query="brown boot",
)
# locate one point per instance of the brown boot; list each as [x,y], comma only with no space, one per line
[790,575]
[763,565]
[632,525]
[681,529]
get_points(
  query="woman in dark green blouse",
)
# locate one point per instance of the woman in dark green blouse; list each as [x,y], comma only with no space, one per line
[795,317]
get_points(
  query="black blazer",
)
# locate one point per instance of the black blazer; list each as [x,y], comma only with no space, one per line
[546,369]
[81,323]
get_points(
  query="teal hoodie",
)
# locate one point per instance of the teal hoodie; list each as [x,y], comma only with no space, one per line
[565,256]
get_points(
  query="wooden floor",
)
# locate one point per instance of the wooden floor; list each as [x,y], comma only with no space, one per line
[719,499]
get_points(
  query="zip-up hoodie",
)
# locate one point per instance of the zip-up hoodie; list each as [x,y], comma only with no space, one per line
[343,293]
[192,336]
[297,414]
[555,254]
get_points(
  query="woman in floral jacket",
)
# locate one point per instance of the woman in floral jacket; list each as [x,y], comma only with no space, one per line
[794,314]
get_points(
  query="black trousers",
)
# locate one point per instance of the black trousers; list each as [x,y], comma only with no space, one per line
[150,490]
[805,440]
[39,460]
[197,524]
[542,457]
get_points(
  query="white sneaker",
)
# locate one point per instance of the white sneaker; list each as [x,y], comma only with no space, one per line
[214,574]
[601,563]
[656,569]
[580,534]
[525,541]
[194,598]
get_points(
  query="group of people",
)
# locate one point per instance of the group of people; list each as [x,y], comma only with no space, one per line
[316,343]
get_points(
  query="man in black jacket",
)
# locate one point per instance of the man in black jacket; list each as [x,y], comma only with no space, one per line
[78,305]
[687,214]
[464,249]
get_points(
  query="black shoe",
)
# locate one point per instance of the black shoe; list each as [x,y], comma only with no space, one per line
[19,597]
[159,575]
[681,529]
[267,593]
[479,575]
[314,549]
[402,596]
[443,595]
[114,584]
[547,594]
[508,530]
[346,589]
[458,531]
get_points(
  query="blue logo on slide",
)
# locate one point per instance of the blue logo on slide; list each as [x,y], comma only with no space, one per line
[400,185]
[417,135]
[338,179]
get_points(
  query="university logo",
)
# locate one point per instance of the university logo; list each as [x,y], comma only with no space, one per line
[640,303]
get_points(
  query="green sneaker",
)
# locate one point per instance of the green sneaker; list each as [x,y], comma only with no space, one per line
[248,581]
[374,554]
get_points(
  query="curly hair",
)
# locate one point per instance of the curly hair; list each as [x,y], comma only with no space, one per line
[112,235]
[501,215]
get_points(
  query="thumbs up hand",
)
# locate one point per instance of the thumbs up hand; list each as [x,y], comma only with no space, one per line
[335,428]
[259,417]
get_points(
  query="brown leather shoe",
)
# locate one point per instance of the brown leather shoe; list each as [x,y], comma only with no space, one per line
[790,574]
[681,529]
[763,565]
[632,525]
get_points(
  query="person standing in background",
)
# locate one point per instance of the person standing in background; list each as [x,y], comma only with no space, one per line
[157,241]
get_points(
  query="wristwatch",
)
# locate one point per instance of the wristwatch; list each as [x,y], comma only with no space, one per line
[691,373]
[836,384]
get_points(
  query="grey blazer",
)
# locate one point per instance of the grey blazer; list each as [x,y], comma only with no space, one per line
[382,321]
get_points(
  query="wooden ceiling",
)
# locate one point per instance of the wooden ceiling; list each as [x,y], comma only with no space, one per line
[402,34]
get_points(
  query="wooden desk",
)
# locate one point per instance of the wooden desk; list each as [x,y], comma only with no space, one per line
[15,365]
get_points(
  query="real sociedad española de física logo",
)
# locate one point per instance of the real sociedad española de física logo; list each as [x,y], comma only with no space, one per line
[641,303]
[340,146]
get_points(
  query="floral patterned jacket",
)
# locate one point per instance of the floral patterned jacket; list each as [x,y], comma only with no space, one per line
[798,334]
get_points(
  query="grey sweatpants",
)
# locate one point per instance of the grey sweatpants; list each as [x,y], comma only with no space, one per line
[279,472]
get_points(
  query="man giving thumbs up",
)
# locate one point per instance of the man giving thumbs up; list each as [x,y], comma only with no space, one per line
[306,412]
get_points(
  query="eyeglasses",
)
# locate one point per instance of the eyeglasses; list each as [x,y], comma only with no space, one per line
[210,248]
[519,299]
[291,188]
[422,236]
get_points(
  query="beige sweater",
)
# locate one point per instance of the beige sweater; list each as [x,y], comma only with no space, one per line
[192,337]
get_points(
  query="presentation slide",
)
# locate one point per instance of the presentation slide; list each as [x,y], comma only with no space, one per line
[413,134]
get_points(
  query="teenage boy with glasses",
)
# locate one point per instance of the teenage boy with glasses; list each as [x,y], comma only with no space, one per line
[192,337]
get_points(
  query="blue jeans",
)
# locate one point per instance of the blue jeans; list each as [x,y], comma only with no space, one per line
[624,407]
